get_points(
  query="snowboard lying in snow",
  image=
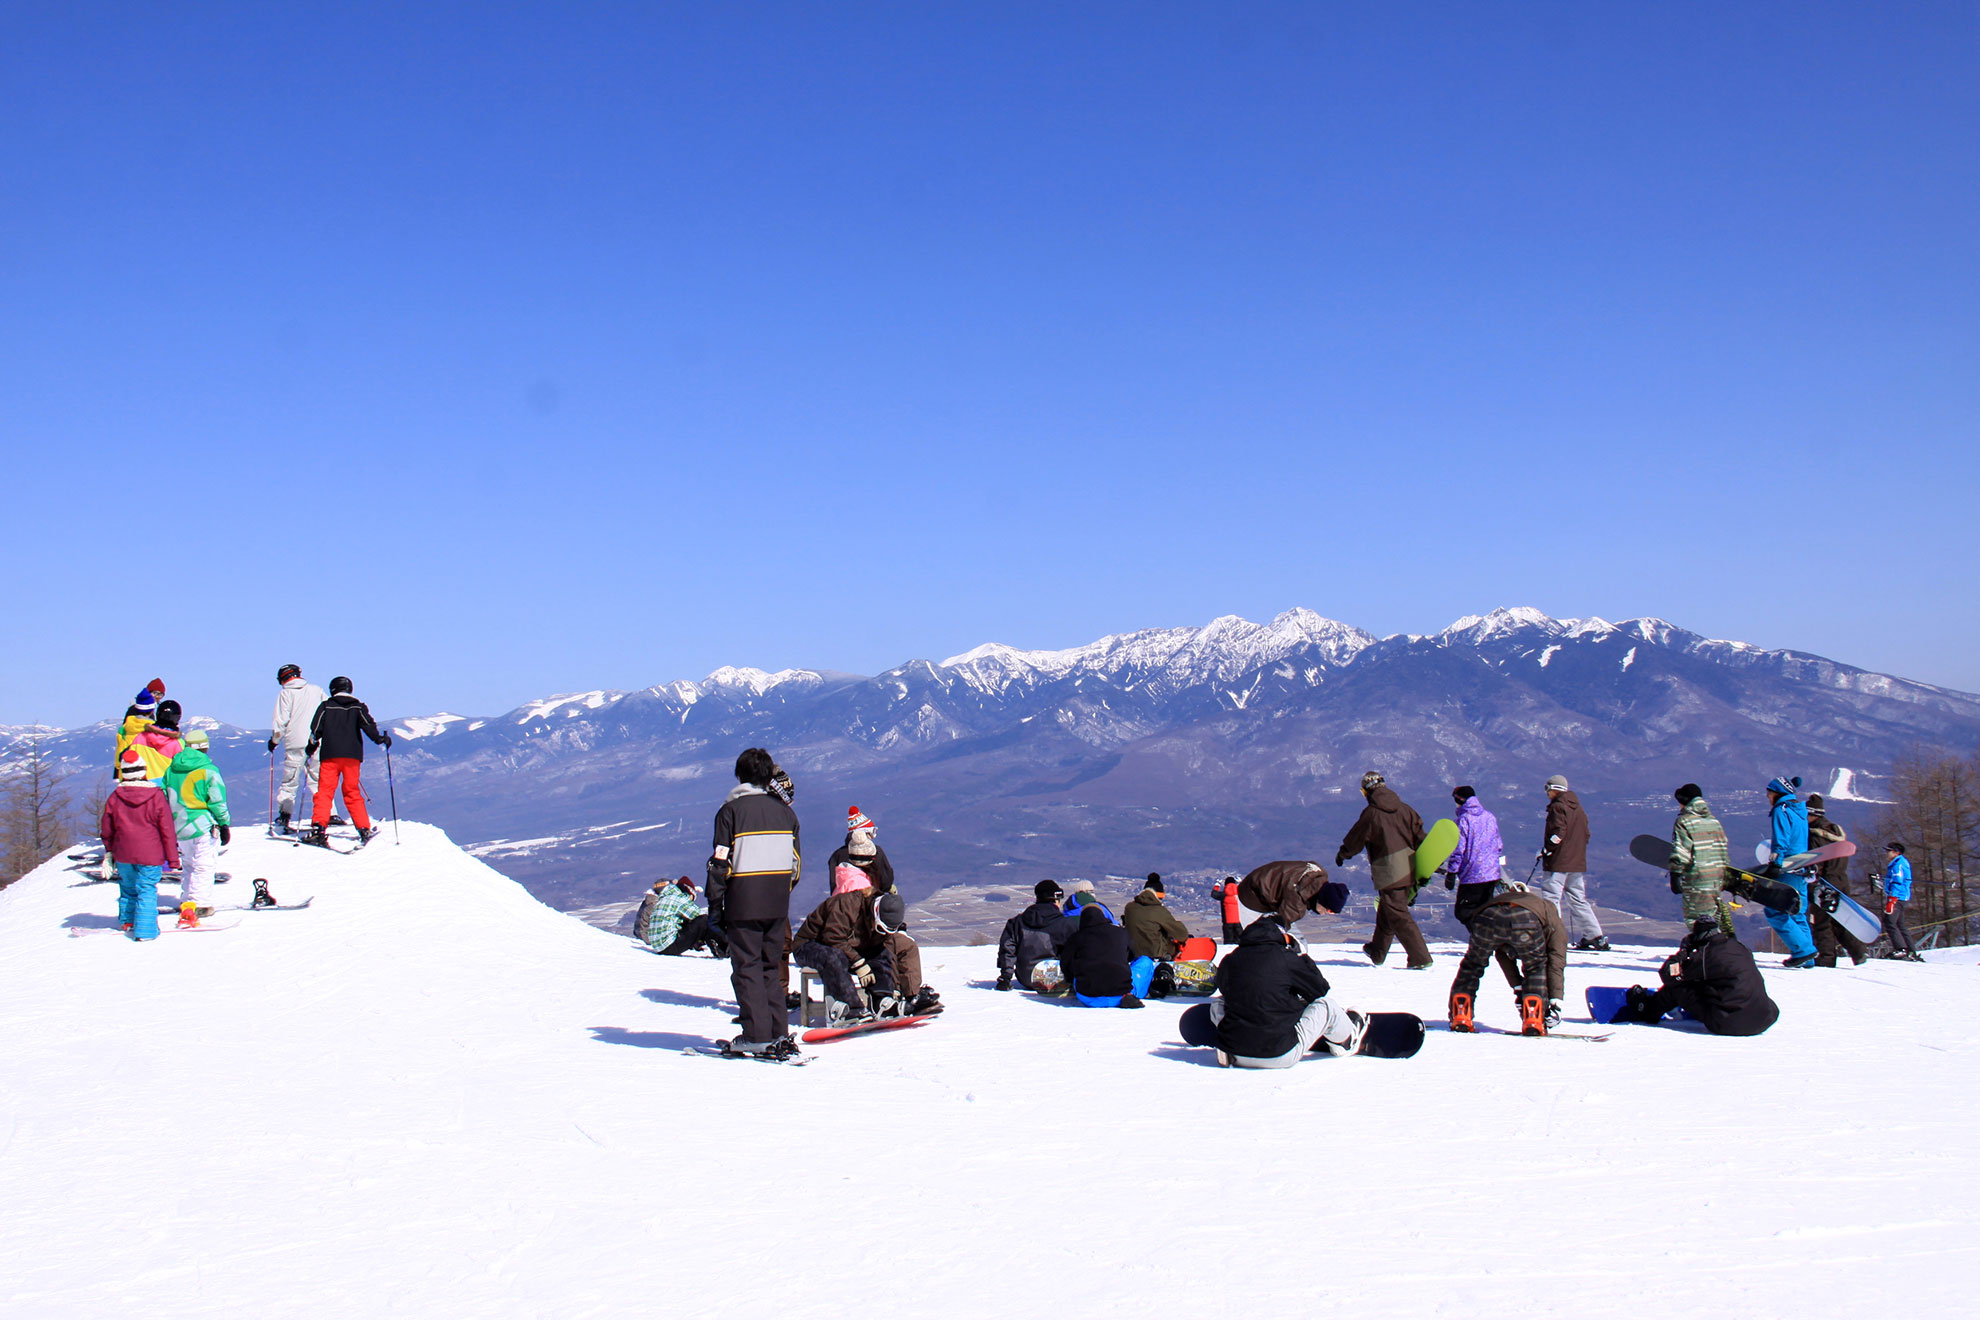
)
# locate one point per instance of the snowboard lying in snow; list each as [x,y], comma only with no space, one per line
[1389,1035]
[819,1035]
[1605,1001]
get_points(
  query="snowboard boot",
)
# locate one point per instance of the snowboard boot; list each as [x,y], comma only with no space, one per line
[1593,944]
[757,1048]
[188,916]
[889,1006]
[1532,1015]
[1553,1016]
[262,898]
[925,1001]
[1130,1001]
[1163,983]
[1461,1011]
[781,1049]
[1369,949]
[1796,964]
[1357,1028]
[845,1015]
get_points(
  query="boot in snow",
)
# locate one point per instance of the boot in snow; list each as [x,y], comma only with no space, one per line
[925,1000]
[1460,1011]
[845,1015]
[1593,944]
[367,835]
[1532,1015]
[1357,1028]
[282,824]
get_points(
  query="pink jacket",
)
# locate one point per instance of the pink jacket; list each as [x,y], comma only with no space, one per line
[137,826]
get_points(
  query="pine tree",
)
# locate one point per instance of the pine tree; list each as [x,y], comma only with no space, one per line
[35,816]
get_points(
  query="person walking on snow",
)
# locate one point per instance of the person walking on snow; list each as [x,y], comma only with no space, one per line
[334,735]
[1787,822]
[1564,865]
[296,702]
[1896,884]
[1829,934]
[138,836]
[1153,931]
[1389,830]
[1225,893]
[1474,866]
[198,796]
[1699,858]
[1521,927]
[754,866]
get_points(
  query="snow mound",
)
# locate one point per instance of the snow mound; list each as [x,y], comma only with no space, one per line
[428,1094]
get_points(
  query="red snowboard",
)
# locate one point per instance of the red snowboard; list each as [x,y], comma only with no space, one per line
[819,1035]
[1197,948]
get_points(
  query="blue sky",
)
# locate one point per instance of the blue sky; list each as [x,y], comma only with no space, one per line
[482,353]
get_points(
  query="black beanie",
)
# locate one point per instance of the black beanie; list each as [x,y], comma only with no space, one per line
[1461,792]
[1047,890]
[1815,802]
[1155,883]
[1685,794]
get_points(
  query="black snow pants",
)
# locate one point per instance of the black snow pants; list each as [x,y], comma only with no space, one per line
[694,934]
[836,968]
[1829,936]
[1513,935]
[756,972]
[1895,929]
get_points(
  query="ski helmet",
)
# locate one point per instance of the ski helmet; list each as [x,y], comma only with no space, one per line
[287,672]
[339,685]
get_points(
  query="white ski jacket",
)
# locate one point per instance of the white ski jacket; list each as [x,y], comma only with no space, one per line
[295,707]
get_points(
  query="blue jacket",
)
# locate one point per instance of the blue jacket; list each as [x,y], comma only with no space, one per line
[1789,819]
[1476,858]
[1897,878]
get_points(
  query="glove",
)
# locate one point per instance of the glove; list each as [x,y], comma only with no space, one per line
[271,747]
[386,738]
[1450,880]
[226,836]
[1676,888]
[309,749]
[1890,906]
[1340,857]
[1004,983]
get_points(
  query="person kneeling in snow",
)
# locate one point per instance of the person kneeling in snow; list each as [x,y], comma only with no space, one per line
[670,923]
[843,943]
[1272,1005]
[1711,977]
[1519,926]
[1096,960]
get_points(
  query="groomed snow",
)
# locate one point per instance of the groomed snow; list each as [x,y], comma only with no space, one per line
[429,1095]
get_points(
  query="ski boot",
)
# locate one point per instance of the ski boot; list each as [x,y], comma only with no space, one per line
[1461,1012]
[1532,1015]
[1593,944]
[367,834]
[188,916]
[282,824]
[262,898]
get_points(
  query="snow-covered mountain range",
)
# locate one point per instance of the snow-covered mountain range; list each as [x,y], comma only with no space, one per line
[1175,749]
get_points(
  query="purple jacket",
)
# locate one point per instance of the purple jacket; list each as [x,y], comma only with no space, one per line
[1476,860]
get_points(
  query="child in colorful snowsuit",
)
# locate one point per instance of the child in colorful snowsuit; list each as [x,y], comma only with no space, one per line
[336,735]
[199,805]
[1788,825]
[158,742]
[139,837]
[1896,884]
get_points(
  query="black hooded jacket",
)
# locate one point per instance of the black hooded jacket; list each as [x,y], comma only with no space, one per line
[877,866]
[1266,983]
[1032,936]
[1712,977]
[334,732]
[1096,958]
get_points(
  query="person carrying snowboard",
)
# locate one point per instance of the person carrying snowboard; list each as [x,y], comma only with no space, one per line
[139,838]
[1096,961]
[1699,858]
[336,734]
[840,940]
[1474,866]
[1225,894]
[1712,977]
[754,866]
[1564,865]
[1028,950]
[1518,927]
[1272,1004]
[1152,930]
[1828,933]
[198,797]
[1896,884]
[1787,821]
[296,701]
[1389,830]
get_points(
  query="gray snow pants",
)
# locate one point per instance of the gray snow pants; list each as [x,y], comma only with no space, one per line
[1568,892]
[1321,1020]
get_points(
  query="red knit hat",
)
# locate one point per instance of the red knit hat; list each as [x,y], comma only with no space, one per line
[858,820]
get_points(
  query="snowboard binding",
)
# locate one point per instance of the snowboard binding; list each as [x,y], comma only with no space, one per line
[262,898]
[1532,1015]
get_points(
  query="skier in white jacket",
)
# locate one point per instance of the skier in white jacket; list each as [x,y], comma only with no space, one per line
[295,707]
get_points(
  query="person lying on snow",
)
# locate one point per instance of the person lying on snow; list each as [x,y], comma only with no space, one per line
[844,944]
[1711,977]
[1523,931]
[1028,951]
[1272,1004]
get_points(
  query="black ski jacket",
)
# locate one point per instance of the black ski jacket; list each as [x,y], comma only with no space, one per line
[1713,978]
[755,863]
[334,731]
[1266,983]
[1032,936]
[1096,958]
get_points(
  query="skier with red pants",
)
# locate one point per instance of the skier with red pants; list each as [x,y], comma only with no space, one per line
[334,738]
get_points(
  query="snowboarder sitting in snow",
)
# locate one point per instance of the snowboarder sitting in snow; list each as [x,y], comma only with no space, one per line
[1028,951]
[843,943]
[890,916]
[1096,959]
[1711,977]
[138,837]
[1515,925]
[670,923]
[1272,1005]
[1152,930]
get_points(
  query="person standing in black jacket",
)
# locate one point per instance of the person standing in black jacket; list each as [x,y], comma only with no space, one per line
[1272,1005]
[751,873]
[336,737]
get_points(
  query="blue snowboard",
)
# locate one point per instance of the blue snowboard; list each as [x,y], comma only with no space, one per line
[1605,1001]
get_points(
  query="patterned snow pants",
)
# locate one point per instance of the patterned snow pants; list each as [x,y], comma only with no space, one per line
[1505,929]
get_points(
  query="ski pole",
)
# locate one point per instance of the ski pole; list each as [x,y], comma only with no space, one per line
[271,789]
[392,789]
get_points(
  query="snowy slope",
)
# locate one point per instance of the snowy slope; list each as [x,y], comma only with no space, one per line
[428,1095]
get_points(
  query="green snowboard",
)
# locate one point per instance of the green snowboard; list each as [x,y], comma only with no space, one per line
[1436,849]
